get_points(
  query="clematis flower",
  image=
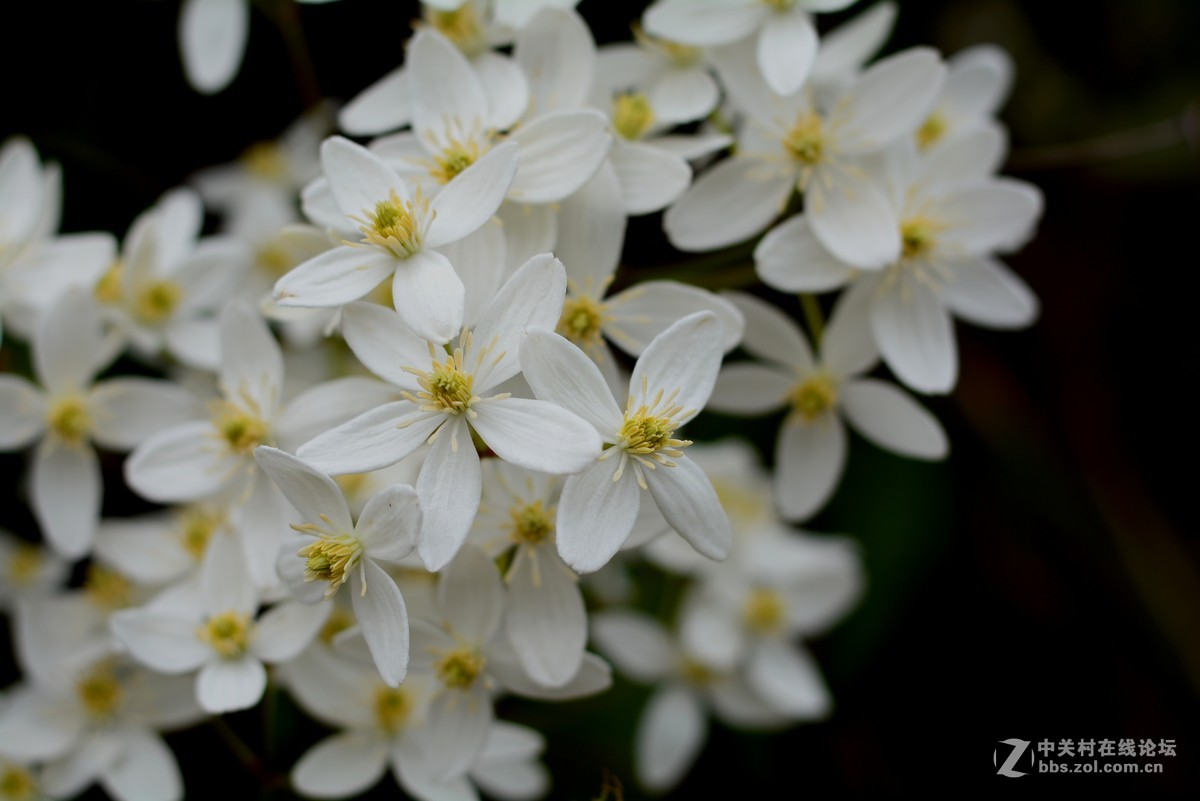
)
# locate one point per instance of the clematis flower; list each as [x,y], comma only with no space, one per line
[671,381]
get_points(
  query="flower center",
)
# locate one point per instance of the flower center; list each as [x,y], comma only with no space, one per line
[242,431]
[17,784]
[227,633]
[108,288]
[454,158]
[461,26]
[645,433]
[446,386]
[764,611]
[265,160]
[459,668]
[918,237]
[157,301]
[805,142]
[632,115]
[274,259]
[331,559]
[932,130]
[697,673]
[814,396]
[100,693]
[582,320]
[24,563]
[393,706]
[532,523]
[393,227]
[196,529]
[106,588]
[338,621]
[780,5]
[69,419]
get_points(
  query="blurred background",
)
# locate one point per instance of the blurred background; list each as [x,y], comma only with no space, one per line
[1043,583]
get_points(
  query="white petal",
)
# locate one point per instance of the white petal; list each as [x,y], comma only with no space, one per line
[340,766]
[645,310]
[916,337]
[707,22]
[66,495]
[22,412]
[891,419]
[470,595]
[999,215]
[447,95]
[688,501]
[987,293]
[684,359]
[559,153]
[846,48]
[183,463]
[557,52]
[683,94]
[128,411]
[196,342]
[383,106]
[70,346]
[167,644]
[357,177]
[143,548]
[285,630]
[594,676]
[537,435]
[637,643]
[505,87]
[318,409]
[381,614]
[788,678]
[712,632]
[251,361]
[747,388]
[457,727]
[591,229]
[790,258]
[532,297]
[546,622]
[512,779]
[478,260]
[848,347]
[970,157]
[290,567]
[669,737]
[33,726]
[528,231]
[212,40]
[335,277]
[890,99]
[978,81]
[856,225]
[728,204]
[595,515]
[227,685]
[561,373]
[449,487]
[787,47]
[389,523]
[809,458]
[470,200]
[429,296]
[225,578]
[651,179]
[90,756]
[314,494]
[371,441]
[693,146]
[383,343]
[146,771]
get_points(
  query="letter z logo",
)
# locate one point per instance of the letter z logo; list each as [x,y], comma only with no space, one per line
[1018,748]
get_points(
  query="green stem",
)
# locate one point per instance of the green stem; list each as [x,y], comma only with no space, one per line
[814,317]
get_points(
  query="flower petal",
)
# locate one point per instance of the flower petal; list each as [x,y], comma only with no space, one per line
[669,737]
[251,361]
[559,153]
[385,105]
[470,200]
[595,515]
[546,620]
[856,225]
[429,296]
[651,179]
[537,435]
[389,523]
[357,177]
[688,501]
[561,373]
[556,50]
[227,685]
[809,458]
[728,204]
[334,278]
[532,297]
[644,311]
[637,643]
[747,388]
[212,41]
[891,419]
[130,410]
[684,360]
[788,679]
[915,335]
[791,258]
[787,48]
[383,618]
[314,494]
[22,412]
[146,769]
[449,488]
[471,596]
[373,440]
[184,463]
[66,495]
[165,643]
[340,766]
[987,293]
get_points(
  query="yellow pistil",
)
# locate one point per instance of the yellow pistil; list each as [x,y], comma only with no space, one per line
[265,160]
[196,528]
[805,142]
[24,564]
[738,501]
[331,559]
[106,588]
[647,434]
[17,784]
[242,431]
[461,26]
[813,396]
[531,523]
[69,420]
[393,706]
[275,259]
[697,673]
[351,483]
[582,320]
[446,386]
[338,621]
[455,157]
[918,237]
[459,668]
[780,5]
[932,130]
[227,633]
[100,692]
[632,115]
[108,288]
[157,301]
[393,225]
[764,611]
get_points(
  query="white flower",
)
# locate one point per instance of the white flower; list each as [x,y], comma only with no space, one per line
[671,381]
[977,82]
[787,42]
[397,232]
[446,398]
[68,413]
[27,570]
[337,551]
[811,448]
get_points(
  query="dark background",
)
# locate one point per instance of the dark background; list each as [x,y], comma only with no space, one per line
[1040,584]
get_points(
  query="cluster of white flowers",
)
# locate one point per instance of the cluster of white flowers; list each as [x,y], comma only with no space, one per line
[397,537]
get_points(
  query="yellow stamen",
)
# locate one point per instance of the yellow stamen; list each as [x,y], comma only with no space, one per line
[805,142]
[265,160]
[532,523]
[932,130]
[331,559]
[24,564]
[338,621]
[814,396]
[227,633]
[107,588]
[157,301]
[274,258]
[241,430]
[632,115]
[781,5]
[455,157]
[918,237]
[459,668]
[69,420]
[461,26]
[108,288]
[446,386]
[393,225]
[196,528]
[764,611]
[17,784]
[393,706]
[697,673]
[100,692]
[582,320]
